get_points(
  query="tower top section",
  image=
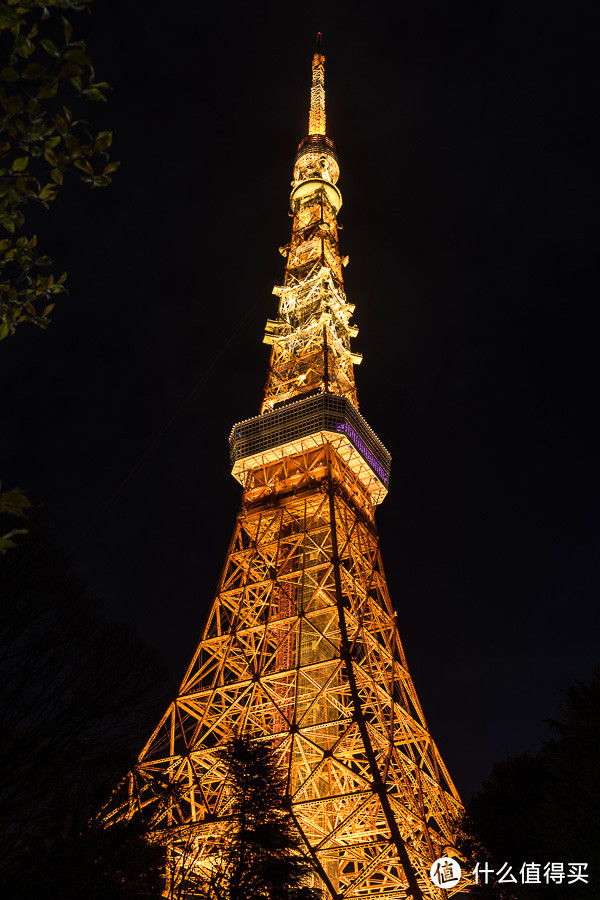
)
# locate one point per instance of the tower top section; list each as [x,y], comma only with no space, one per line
[316,119]
[316,152]
[311,335]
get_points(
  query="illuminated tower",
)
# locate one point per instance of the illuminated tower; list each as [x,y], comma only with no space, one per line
[301,646]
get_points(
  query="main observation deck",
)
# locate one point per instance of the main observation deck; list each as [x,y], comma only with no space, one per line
[305,424]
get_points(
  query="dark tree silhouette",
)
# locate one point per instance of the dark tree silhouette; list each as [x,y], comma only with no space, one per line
[544,808]
[261,857]
[74,690]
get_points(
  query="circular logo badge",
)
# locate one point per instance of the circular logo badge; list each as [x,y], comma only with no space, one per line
[445,872]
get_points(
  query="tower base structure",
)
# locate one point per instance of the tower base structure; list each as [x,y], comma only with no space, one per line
[301,649]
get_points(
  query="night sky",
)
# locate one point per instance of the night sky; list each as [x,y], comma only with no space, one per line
[467,136]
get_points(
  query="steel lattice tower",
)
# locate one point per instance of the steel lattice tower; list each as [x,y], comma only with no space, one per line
[301,646]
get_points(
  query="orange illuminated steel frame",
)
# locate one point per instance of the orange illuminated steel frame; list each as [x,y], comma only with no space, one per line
[301,646]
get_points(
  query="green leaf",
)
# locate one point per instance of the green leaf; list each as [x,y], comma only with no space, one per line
[44,261]
[14,502]
[50,156]
[4,330]
[34,70]
[20,163]
[9,74]
[61,124]
[103,140]
[50,47]
[68,28]
[14,104]
[111,167]
[47,91]
[57,176]
[48,309]
[23,46]
[85,166]
[94,94]
[48,193]
[6,542]
[72,145]
[78,56]
[33,106]
[69,69]
[100,180]
[8,18]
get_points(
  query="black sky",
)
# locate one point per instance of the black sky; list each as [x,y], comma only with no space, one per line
[467,135]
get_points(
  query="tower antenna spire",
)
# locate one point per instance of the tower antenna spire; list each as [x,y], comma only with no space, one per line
[316,119]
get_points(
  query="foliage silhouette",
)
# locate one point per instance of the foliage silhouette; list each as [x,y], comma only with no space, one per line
[260,856]
[74,691]
[544,808]
[45,76]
